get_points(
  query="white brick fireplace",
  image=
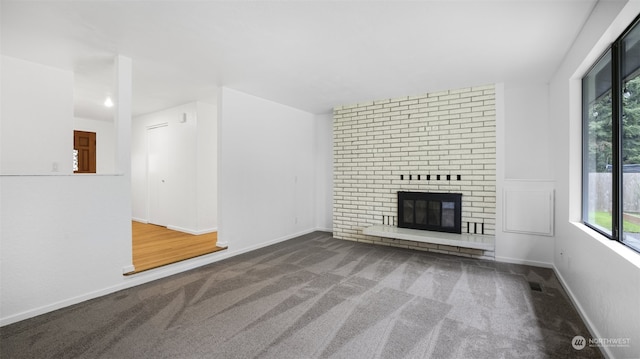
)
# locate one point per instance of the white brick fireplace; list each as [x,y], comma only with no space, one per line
[438,142]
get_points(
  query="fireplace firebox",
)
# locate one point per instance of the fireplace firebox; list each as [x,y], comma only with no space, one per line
[430,211]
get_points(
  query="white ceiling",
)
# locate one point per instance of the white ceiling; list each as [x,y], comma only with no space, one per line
[312,55]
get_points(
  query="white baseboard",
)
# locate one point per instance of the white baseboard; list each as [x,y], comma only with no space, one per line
[128,282]
[585,318]
[180,229]
[208,230]
[144,277]
[524,262]
[264,244]
[225,243]
[592,330]
[192,231]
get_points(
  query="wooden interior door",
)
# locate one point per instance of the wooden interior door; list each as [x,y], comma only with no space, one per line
[85,143]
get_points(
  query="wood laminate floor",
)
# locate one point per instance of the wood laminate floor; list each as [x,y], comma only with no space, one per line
[156,246]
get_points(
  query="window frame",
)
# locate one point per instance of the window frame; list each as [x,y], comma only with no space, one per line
[616,51]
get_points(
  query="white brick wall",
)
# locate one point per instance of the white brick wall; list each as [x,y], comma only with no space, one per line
[381,147]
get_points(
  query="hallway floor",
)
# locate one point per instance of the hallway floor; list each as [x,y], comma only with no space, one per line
[155,246]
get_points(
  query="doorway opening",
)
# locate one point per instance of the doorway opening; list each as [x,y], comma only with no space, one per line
[165,230]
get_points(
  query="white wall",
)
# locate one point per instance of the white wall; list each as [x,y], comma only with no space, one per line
[64,237]
[191,183]
[37,116]
[528,132]
[602,277]
[266,171]
[524,168]
[105,142]
[324,172]
[207,166]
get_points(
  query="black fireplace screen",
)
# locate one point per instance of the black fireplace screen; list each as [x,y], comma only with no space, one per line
[430,211]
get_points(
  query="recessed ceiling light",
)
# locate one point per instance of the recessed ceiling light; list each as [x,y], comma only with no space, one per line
[108,102]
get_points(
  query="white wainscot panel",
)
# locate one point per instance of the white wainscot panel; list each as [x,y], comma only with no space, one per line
[529,208]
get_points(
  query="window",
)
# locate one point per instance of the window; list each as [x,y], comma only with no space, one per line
[611,141]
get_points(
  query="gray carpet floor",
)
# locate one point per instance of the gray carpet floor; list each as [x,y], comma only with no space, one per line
[318,297]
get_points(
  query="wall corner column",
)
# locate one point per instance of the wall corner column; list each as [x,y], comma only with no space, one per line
[123,85]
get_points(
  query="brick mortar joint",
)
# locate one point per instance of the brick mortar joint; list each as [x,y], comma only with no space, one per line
[360,155]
